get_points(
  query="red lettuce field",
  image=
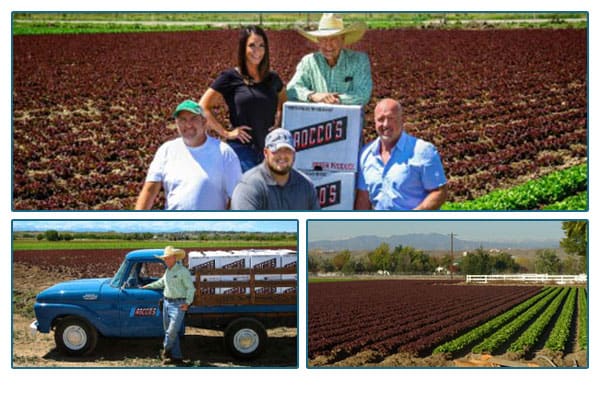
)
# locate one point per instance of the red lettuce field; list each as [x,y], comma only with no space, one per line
[72,263]
[89,111]
[410,323]
[89,263]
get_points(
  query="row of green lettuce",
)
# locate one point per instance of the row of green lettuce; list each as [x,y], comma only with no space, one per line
[561,190]
[473,336]
[523,327]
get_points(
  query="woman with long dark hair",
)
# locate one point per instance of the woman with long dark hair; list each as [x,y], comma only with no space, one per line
[254,96]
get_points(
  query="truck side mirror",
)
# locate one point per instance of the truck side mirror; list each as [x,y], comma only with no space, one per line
[129,283]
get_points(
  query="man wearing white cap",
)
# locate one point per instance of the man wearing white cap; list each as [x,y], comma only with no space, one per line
[275,184]
[333,75]
[178,295]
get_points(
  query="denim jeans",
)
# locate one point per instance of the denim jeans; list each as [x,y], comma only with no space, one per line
[247,155]
[173,322]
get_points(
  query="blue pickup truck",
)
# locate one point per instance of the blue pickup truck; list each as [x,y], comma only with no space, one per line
[82,310]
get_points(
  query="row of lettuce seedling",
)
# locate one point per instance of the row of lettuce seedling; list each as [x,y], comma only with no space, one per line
[476,335]
[568,186]
[542,309]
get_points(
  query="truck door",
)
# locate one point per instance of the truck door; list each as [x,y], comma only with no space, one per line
[139,309]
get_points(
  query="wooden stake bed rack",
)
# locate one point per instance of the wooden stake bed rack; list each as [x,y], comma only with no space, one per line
[251,288]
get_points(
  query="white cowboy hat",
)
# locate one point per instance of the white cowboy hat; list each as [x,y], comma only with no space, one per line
[172,251]
[330,25]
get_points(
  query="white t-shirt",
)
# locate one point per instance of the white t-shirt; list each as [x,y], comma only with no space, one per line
[195,178]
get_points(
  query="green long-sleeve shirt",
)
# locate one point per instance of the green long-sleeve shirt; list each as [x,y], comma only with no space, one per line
[350,77]
[176,282]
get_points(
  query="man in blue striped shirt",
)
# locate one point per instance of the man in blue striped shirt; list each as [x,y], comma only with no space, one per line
[333,75]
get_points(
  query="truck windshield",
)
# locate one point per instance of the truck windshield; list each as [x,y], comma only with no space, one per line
[119,276]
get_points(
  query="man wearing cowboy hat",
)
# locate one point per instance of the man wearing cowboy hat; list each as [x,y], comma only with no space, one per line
[333,75]
[178,295]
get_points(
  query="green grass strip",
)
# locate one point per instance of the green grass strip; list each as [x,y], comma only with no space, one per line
[582,320]
[530,337]
[336,279]
[145,244]
[480,332]
[29,23]
[548,189]
[59,28]
[287,16]
[560,333]
[502,336]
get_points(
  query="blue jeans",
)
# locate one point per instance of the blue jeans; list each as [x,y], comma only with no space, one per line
[248,157]
[173,322]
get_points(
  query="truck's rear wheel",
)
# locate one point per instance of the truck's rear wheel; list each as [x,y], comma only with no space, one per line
[246,338]
[75,337]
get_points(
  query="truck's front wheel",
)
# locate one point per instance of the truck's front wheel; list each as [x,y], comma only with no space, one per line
[75,337]
[246,338]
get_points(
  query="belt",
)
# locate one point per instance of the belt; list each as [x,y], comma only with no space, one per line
[175,298]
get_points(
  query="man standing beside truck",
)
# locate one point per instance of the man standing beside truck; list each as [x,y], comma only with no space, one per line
[178,295]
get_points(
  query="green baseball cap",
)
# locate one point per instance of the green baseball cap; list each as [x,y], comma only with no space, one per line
[189,105]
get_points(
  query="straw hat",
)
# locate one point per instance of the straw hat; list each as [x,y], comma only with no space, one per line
[330,25]
[172,251]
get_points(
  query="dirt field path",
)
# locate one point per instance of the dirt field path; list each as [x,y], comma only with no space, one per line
[201,348]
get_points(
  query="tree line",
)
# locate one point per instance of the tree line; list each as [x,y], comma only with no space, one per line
[408,260]
[52,235]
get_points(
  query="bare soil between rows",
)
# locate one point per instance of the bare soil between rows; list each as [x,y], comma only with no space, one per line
[369,358]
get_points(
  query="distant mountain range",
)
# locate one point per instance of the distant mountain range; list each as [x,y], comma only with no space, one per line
[429,241]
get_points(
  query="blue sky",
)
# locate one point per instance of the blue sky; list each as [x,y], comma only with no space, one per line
[156,225]
[466,230]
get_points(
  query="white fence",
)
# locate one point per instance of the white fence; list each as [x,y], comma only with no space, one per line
[529,278]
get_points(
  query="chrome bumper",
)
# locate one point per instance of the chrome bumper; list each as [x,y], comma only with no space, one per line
[33,328]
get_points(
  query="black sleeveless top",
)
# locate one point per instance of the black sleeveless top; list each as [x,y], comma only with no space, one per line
[253,104]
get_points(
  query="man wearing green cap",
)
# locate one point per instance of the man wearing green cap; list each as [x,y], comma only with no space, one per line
[197,171]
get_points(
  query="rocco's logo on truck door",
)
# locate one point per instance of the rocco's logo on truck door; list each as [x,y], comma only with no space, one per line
[320,134]
[144,311]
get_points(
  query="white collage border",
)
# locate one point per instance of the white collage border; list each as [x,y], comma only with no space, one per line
[301,382]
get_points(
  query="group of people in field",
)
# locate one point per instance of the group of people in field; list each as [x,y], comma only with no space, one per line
[246,163]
